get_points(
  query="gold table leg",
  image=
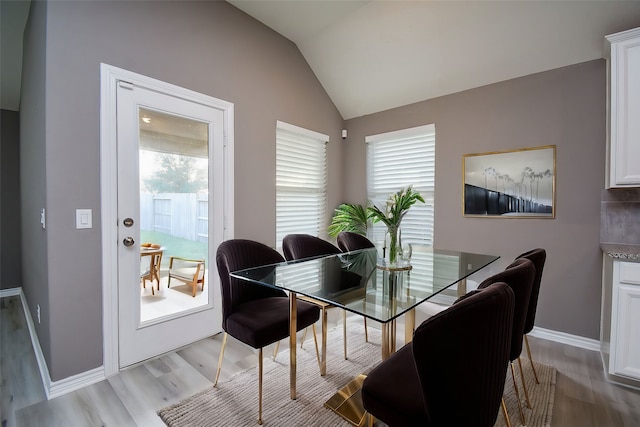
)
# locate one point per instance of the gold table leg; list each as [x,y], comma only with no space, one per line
[462,287]
[392,344]
[293,314]
[409,325]
[385,341]
[347,402]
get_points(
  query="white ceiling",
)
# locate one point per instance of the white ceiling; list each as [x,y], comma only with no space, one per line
[374,55]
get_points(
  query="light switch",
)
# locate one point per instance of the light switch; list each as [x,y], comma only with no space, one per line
[83,218]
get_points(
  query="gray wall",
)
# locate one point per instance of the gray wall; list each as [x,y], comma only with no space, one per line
[215,49]
[10,244]
[209,47]
[563,107]
[33,173]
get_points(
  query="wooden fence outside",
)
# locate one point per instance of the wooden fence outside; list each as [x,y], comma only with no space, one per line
[183,215]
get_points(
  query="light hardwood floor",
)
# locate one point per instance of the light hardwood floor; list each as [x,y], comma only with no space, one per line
[583,397]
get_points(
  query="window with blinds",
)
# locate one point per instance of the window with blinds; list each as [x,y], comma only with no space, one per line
[301,181]
[399,159]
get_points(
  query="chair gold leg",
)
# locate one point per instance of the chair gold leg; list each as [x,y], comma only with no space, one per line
[535,374]
[344,331]
[304,337]
[315,340]
[366,333]
[515,388]
[524,385]
[224,344]
[323,354]
[371,418]
[505,414]
[275,350]
[260,386]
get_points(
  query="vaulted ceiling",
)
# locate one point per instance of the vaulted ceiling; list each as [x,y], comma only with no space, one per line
[374,55]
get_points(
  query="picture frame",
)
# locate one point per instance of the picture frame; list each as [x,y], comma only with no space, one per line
[510,184]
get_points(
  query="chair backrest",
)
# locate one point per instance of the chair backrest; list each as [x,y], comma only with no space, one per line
[238,254]
[519,276]
[461,356]
[349,241]
[299,246]
[537,257]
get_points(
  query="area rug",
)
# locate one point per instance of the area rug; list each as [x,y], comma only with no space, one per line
[541,396]
[235,401]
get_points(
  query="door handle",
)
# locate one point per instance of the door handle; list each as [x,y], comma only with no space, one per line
[128,241]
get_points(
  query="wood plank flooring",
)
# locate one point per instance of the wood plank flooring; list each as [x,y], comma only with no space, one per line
[131,398]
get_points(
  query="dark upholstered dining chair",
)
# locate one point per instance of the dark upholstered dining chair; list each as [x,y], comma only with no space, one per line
[519,276]
[348,241]
[253,314]
[537,257]
[454,370]
[300,246]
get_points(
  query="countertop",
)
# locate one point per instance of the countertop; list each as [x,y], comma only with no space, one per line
[622,252]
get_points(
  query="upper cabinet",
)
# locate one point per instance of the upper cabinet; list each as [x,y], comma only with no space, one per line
[622,51]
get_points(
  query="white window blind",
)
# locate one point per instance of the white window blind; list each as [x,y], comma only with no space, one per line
[399,159]
[301,181]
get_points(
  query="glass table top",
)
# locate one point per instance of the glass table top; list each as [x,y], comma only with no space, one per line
[361,283]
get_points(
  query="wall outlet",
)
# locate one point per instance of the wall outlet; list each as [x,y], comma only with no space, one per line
[38,312]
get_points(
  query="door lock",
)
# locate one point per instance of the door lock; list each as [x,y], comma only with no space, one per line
[128,222]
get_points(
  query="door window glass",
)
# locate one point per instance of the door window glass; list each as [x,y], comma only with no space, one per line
[174,192]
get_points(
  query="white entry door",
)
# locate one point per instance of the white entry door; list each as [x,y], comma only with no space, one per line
[170,217]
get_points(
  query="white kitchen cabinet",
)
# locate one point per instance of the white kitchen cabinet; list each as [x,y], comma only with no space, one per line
[623,149]
[625,320]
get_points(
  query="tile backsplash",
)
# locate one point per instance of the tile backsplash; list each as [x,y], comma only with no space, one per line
[620,216]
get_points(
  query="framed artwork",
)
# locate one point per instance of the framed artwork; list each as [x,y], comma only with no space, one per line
[510,184]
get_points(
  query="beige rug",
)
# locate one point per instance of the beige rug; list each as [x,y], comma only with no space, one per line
[235,402]
[541,396]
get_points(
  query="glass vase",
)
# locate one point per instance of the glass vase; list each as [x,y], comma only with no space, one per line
[394,244]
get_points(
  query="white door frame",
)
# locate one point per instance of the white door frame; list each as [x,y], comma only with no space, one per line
[109,77]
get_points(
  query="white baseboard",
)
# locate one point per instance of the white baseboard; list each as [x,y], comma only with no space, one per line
[564,338]
[76,382]
[13,292]
[83,379]
[52,389]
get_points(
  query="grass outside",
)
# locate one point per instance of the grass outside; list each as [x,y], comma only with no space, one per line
[175,246]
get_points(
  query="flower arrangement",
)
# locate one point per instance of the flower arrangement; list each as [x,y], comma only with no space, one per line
[397,206]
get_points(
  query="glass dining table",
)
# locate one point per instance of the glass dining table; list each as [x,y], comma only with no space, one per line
[361,283]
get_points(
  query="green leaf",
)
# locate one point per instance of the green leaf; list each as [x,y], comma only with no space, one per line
[348,217]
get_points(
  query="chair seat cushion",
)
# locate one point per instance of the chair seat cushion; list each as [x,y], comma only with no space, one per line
[393,393]
[273,322]
[186,273]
